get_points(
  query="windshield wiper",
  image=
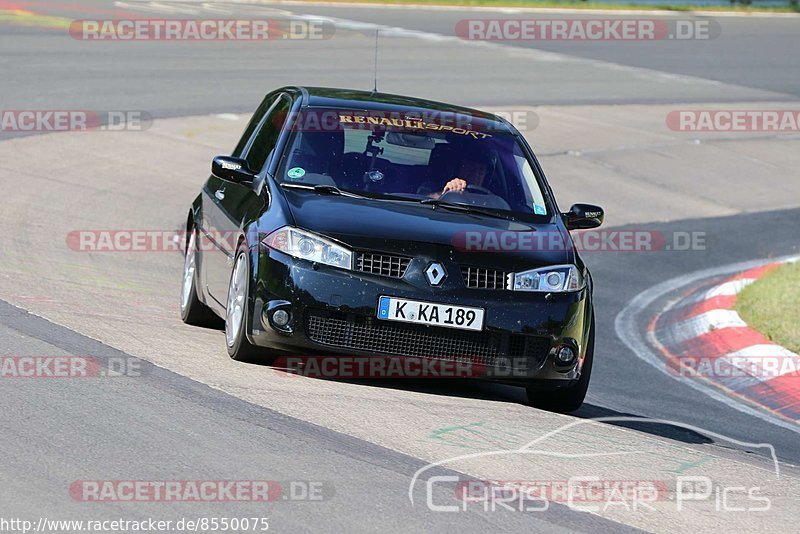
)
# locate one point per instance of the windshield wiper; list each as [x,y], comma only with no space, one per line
[466,208]
[325,189]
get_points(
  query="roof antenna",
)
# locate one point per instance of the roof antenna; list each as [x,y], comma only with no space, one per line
[375,86]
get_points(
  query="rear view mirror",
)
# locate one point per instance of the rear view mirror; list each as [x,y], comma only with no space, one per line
[584,216]
[232,169]
[410,140]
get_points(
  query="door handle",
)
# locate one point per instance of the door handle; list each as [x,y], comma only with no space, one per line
[220,194]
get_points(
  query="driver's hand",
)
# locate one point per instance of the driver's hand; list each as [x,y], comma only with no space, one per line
[456,184]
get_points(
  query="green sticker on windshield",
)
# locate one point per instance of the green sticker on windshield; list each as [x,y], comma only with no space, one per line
[295,173]
[539,209]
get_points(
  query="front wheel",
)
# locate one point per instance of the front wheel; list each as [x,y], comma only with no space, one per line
[239,347]
[570,398]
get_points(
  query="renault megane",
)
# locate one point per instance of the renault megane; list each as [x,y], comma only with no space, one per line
[358,223]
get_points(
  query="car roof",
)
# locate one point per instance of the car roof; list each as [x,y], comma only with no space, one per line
[328,97]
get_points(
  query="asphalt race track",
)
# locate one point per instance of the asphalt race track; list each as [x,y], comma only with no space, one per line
[596,115]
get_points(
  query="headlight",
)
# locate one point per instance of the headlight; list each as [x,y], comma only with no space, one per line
[308,246]
[555,279]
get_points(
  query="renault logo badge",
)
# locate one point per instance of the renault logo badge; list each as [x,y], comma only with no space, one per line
[435,273]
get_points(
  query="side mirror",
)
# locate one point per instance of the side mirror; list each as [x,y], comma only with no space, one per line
[584,216]
[232,169]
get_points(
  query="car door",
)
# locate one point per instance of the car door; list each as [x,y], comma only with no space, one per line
[230,204]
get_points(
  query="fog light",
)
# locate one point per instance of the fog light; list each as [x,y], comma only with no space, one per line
[280,318]
[565,354]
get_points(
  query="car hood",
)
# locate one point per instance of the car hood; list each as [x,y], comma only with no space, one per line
[412,229]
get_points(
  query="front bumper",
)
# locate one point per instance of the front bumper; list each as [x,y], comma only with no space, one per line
[333,312]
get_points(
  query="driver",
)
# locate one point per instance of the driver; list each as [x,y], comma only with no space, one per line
[472,172]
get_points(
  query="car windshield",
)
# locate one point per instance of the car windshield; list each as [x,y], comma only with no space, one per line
[451,158]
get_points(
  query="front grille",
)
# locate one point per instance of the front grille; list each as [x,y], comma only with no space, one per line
[382,264]
[482,278]
[369,334]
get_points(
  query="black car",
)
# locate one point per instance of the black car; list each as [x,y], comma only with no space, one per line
[376,225]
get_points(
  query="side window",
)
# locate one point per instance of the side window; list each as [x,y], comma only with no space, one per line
[255,120]
[266,135]
[532,192]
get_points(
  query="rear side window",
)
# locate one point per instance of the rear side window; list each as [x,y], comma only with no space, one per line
[266,135]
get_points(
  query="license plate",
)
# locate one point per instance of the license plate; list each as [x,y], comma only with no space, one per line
[414,311]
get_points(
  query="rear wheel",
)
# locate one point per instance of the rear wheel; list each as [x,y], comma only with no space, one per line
[193,311]
[239,347]
[570,398]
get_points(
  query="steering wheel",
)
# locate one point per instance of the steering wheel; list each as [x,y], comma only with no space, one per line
[478,189]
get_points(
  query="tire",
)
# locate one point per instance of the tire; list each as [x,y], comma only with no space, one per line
[571,398]
[237,310]
[193,311]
